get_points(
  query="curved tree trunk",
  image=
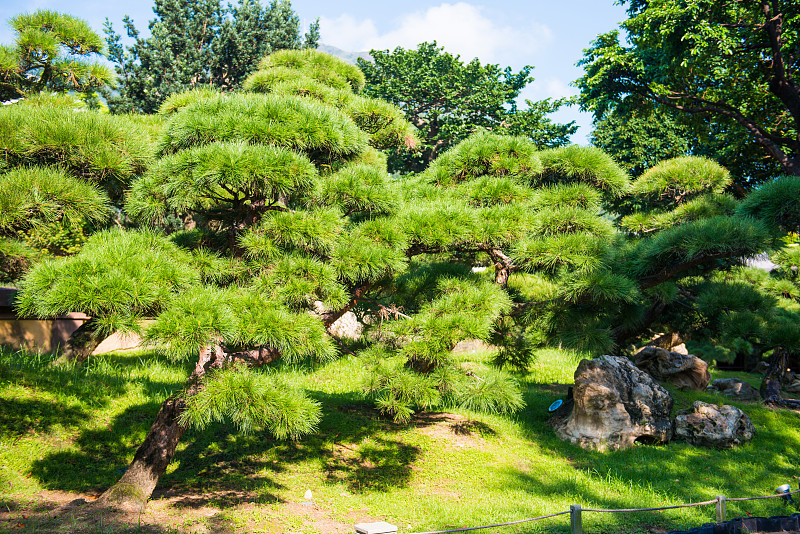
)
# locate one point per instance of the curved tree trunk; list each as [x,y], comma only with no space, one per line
[81,343]
[133,490]
[150,462]
[771,386]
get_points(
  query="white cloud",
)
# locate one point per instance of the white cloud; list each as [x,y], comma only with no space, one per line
[547,88]
[460,28]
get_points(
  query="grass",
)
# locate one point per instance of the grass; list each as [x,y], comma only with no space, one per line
[73,431]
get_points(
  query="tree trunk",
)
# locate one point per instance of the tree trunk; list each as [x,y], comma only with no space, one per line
[81,343]
[771,386]
[133,490]
[503,266]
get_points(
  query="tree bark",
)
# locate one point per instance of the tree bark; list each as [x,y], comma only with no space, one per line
[771,385]
[503,266]
[81,344]
[133,490]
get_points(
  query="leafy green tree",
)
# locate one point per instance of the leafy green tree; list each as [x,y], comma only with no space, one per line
[52,52]
[199,43]
[729,64]
[447,100]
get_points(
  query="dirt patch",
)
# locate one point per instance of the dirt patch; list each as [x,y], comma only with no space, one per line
[64,512]
[458,430]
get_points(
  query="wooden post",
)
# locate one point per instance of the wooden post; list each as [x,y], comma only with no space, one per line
[575,520]
[721,512]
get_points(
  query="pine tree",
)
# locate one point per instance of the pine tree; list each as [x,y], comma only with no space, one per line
[193,44]
[52,53]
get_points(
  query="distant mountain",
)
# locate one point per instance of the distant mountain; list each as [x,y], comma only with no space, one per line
[350,57]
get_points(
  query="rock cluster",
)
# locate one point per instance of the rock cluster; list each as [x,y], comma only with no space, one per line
[615,404]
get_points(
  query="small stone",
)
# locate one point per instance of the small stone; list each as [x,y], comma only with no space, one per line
[685,371]
[734,388]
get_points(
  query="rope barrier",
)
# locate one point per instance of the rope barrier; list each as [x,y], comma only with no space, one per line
[764,497]
[493,526]
[615,510]
[704,503]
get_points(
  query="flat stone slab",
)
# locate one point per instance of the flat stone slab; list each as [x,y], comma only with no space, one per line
[381,527]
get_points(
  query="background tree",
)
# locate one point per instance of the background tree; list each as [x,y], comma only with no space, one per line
[199,43]
[730,64]
[52,52]
[448,100]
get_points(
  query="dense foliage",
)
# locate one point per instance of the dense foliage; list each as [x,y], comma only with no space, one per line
[192,44]
[447,100]
[731,66]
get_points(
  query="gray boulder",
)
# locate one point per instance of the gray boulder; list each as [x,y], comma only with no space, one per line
[734,388]
[685,371]
[614,404]
[718,427]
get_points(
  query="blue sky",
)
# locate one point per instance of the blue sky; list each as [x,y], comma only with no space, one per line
[549,35]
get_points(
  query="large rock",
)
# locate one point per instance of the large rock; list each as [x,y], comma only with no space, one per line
[718,427]
[683,370]
[614,405]
[734,388]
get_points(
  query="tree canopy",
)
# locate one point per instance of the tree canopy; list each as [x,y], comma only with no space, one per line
[447,100]
[52,52]
[200,43]
[730,65]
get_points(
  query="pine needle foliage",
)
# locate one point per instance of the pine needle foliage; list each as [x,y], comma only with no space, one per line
[320,131]
[485,154]
[31,196]
[678,180]
[588,165]
[51,52]
[100,148]
[118,276]
[776,202]
[319,76]
[252,401]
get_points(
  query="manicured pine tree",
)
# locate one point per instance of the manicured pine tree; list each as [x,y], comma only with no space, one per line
[52,52]
[285,194]
[65,169]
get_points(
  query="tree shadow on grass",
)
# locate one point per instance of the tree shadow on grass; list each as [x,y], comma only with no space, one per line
[219,467]
[101,455]
[21,416]
[59,516]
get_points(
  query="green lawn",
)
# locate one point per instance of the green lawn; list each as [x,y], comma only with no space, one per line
[72,432]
